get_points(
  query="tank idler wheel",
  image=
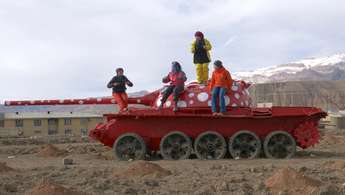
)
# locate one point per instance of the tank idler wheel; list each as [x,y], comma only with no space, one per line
[244,144]
[175,146]
[129,146]
[210,145]
[279,144]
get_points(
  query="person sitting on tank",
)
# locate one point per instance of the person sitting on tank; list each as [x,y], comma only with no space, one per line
[118,83]
[219,86]
[201,56]
[177,78]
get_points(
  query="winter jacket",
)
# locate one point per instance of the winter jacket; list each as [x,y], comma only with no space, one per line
[221,78]
[121,87]
[201,49]
[175,78]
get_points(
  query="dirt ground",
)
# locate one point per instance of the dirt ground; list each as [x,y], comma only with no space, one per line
[37,169]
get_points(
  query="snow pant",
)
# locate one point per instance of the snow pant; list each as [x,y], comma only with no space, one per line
[202,72]
[172,89]
[121,100]
[218,95]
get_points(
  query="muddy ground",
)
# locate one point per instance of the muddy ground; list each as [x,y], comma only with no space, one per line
[37,168]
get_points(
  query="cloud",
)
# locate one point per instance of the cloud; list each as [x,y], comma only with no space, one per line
[69,49]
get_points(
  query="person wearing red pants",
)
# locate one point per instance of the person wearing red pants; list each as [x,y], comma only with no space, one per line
[118,83]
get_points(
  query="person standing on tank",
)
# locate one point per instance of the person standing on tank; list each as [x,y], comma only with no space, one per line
[219,86]
[118,83]
[201,56]
[177,78]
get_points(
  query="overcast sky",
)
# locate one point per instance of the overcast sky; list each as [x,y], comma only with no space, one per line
[70,48]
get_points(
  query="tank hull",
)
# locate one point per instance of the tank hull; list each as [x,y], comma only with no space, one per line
[152,125]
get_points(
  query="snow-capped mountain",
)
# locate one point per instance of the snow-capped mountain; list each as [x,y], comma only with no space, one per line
[325,68]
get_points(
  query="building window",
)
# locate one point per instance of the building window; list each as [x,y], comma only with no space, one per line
[52,131]
[68,131]
[52,122]
[68,121]
[19,123]
[83,132]
[83,121]
[37,123]
[37,132]
[2,123]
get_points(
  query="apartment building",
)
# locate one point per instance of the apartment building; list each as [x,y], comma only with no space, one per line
[28,124]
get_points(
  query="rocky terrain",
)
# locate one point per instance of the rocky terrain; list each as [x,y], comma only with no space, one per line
[328,95]
[38,169]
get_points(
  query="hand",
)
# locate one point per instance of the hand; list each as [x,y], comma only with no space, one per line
[116,84]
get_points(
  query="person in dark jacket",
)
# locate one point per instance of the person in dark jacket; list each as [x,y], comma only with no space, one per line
[177,79]
[118,83]
[201,56]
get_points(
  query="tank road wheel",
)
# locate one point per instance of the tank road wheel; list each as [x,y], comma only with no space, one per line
[129,146]
[210,145]
[175,146]
[279,144]
[244,144]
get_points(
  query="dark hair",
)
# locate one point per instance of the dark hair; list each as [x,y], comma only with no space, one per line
[119,69]
[218,63]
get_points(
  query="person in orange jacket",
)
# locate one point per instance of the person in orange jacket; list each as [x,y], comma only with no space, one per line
[220,85]
[118,83]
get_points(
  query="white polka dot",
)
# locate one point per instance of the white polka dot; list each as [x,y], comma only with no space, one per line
[181,104]
[234,105]
[99,99]
[234,88]
[191,95]
[81,102]
[191,102]
[247,103]
[237,96]
[158,103]
[113,101]
[209,103]
[32,102]
[168,103]
[242,103]
[72,100]
[227,100]
[203,96]
[138,100]
[19,103]
[48,101]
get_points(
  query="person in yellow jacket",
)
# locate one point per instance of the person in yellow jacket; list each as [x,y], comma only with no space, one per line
[201,56]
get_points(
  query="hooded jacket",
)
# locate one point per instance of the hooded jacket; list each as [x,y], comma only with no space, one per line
[221,78]
[176,77]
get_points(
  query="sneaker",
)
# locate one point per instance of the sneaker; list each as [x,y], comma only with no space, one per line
[215,114]
[220,114]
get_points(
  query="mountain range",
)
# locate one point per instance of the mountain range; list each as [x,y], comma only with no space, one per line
[312,69]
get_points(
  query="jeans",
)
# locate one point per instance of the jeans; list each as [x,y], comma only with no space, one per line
[218,93]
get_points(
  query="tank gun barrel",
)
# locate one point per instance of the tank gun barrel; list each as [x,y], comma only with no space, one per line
[146,100]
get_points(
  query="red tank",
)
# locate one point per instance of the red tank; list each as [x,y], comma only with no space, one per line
[244,131]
